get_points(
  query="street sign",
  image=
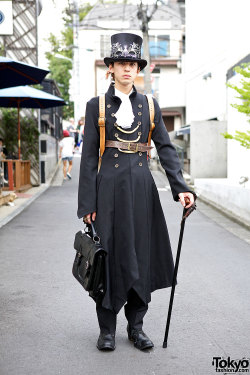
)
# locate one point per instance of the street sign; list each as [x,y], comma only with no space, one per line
[6,18]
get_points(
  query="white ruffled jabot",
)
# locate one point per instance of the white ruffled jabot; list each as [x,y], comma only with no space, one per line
[124,115]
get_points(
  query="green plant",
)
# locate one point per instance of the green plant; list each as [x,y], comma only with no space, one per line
[244,107]
[29,134]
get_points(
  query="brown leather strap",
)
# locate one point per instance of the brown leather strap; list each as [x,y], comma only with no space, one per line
[101,123]
[152,116]
[129,146]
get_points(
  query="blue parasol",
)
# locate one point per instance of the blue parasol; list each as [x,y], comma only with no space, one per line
[14,73]
[27,97]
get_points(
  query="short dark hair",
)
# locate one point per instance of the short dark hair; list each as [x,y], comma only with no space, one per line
[1,139]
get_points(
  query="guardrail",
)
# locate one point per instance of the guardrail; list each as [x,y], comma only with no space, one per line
[18,174]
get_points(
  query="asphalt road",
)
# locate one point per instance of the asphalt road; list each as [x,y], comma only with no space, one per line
[48,322]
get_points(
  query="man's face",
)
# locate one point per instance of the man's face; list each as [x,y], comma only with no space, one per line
[125,71]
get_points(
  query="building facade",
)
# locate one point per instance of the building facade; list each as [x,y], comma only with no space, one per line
[216,41]
[166,43]
[20,42]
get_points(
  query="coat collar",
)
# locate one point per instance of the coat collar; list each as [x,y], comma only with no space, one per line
[111,93]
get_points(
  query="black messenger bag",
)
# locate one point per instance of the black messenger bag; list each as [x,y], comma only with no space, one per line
[89,263]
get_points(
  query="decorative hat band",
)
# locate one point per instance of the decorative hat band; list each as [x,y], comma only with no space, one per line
[132,51]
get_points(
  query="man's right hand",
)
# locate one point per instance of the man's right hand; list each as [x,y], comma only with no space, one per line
[86,218]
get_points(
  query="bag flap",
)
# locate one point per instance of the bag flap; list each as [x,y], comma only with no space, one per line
[86,246]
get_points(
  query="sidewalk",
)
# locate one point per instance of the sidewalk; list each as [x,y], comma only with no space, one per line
[24,199]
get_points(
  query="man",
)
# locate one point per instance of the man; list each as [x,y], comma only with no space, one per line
[122,198]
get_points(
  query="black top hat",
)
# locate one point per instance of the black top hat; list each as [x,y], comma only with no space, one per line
[127,47]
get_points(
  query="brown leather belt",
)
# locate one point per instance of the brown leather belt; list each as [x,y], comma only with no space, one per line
[129,146]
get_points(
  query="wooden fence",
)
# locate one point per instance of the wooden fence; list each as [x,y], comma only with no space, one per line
[18,174]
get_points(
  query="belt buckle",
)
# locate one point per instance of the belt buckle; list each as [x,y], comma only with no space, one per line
[132,148]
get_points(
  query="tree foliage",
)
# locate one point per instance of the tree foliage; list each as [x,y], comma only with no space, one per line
[244,107]
[61,69]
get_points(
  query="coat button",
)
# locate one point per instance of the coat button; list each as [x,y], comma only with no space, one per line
[139,123]
[139,133]
[116,135]
[140,153]
[115,124]
[139,113]
[140,164]
[116,155]
[108,105]
[117,165]
[140,105]
[112,114]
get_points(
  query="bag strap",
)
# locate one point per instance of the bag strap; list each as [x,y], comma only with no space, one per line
[101,123]
[152,117]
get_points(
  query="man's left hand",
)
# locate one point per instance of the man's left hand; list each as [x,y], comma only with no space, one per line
[186,199]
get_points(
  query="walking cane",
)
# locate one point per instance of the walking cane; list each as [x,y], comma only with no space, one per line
[186,213]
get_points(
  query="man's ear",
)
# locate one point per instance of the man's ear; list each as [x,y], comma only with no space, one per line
[111,68]
[138,70]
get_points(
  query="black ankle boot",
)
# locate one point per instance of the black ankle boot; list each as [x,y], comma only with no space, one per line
[140,339]
[106,341]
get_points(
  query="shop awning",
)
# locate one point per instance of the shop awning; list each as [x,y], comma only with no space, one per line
[183,130]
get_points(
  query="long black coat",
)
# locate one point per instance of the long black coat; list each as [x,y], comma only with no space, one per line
[130,220]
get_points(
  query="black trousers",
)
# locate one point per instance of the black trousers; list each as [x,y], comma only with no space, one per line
[135,310]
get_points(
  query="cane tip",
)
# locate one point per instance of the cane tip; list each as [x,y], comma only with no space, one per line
[165,345]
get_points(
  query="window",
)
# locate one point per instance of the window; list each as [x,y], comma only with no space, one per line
[159,46]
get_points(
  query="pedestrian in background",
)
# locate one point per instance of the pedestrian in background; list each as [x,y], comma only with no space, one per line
[66,154]
[3,155]
[71,127]
[122,197]
[80,127]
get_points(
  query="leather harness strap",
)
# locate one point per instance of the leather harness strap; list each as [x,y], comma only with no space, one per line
[129,146]
[152,116]
[101,123]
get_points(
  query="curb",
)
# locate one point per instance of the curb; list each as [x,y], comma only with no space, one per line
[23,206]
[217,208]
[11,216]
[226,213]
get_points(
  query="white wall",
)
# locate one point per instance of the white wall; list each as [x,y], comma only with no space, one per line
[217,36]
[208,149]
[51,157]
[231,198]
[171,89]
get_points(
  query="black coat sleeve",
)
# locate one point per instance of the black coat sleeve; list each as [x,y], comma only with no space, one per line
[168,156]
[89,161]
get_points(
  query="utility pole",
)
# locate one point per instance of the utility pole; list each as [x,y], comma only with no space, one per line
[144,16]
[76,63]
